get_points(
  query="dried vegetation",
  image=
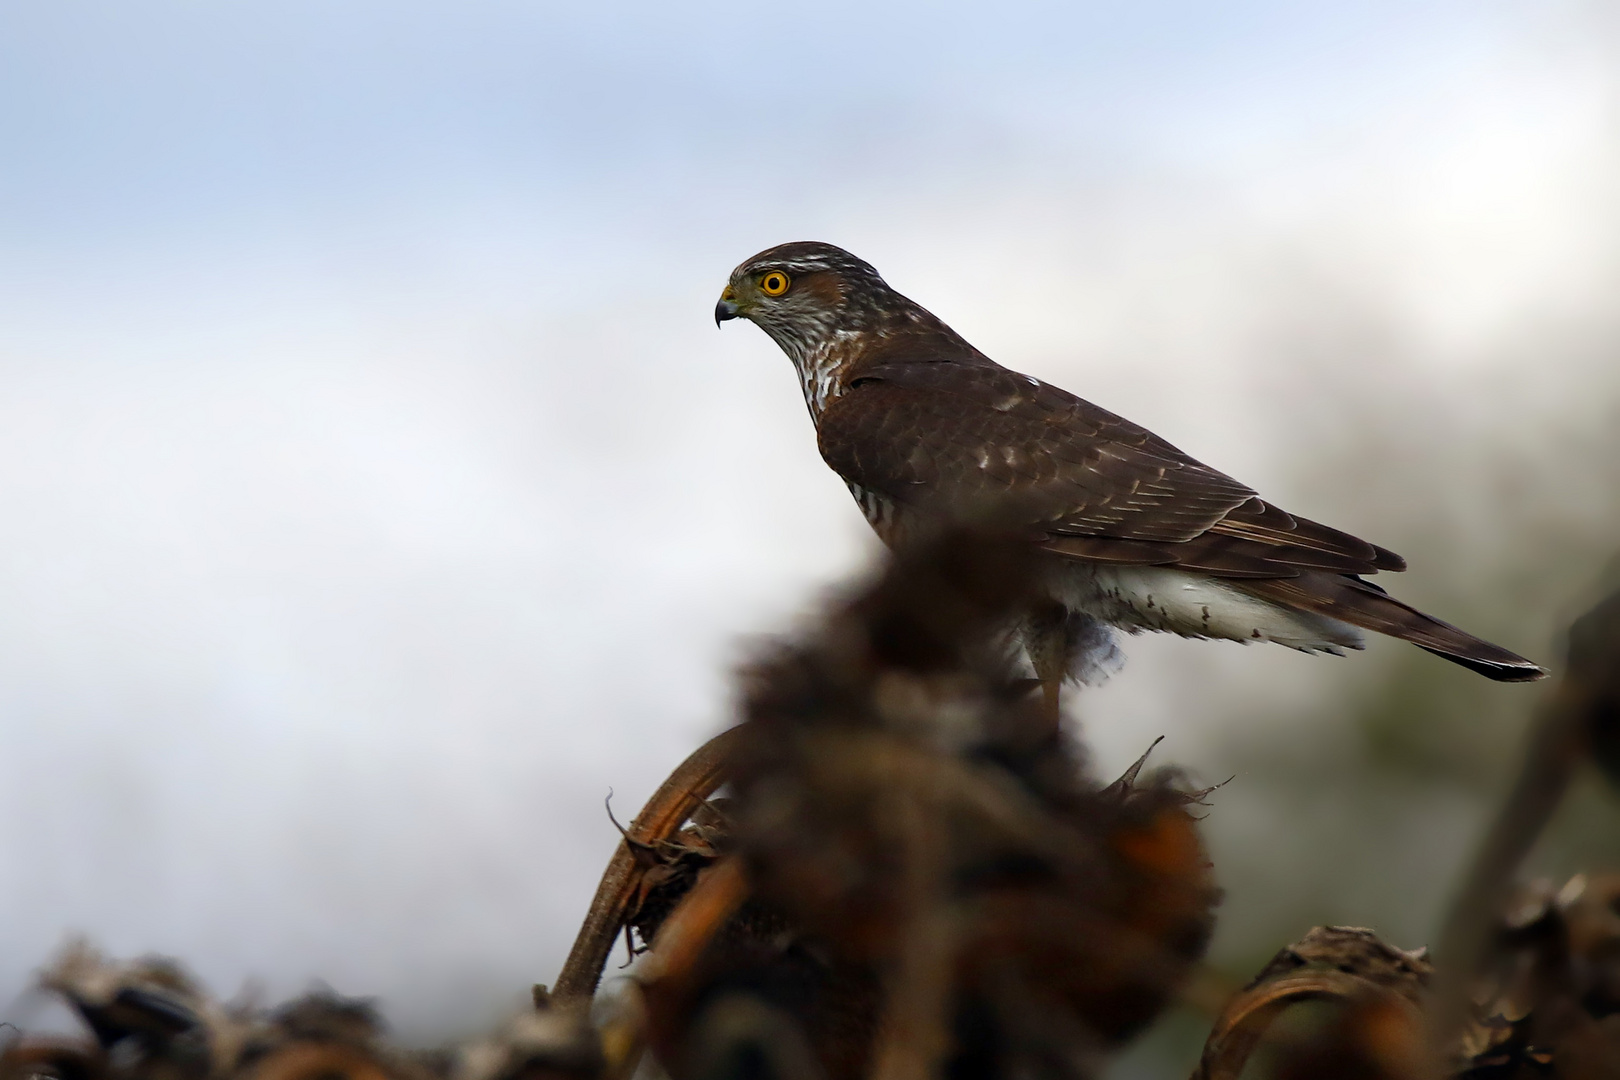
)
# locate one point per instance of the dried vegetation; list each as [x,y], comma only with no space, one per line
[916,875]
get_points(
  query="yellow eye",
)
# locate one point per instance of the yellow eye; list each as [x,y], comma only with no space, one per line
[774,283]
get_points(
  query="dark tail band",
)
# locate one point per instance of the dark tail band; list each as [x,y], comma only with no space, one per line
[1361,603]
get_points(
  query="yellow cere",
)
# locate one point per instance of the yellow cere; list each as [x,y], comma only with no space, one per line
[774,283]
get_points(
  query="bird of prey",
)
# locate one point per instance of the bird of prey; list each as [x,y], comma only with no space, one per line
[921,425]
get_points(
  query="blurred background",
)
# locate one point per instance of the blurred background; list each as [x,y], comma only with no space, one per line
[377,495]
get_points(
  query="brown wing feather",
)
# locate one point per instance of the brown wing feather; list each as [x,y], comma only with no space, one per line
[957,437]
[1258,520]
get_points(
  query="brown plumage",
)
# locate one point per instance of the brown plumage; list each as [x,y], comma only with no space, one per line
[921,425]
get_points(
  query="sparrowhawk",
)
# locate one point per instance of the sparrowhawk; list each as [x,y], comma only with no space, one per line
[921,425]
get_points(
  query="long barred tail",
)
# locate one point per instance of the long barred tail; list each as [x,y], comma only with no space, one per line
[1361,603]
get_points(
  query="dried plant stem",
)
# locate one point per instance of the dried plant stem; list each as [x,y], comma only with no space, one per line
[1246,1018]
[1558,744]
[697,778]
[915,1033]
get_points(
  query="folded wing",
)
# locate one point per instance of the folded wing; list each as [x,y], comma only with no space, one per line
[1089,484]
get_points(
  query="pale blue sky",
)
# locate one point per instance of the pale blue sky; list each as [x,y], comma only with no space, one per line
[142,120]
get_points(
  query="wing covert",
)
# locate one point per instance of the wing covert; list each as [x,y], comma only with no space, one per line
[957,437]
[951,434]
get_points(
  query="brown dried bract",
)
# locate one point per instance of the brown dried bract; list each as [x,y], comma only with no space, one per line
[950,889]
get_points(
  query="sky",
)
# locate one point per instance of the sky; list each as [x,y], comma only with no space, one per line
[380,496]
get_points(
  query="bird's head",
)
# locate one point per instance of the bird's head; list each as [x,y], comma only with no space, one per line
[803,293]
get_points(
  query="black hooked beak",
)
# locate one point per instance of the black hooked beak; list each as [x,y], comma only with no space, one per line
[725,309]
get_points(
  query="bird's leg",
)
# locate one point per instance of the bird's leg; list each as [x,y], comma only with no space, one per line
[1046,640]
[1051,690]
